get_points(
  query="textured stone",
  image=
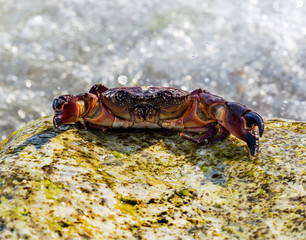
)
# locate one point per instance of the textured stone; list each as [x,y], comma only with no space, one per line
[77,184]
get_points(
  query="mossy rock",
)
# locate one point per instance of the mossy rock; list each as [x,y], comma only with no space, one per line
[76,184]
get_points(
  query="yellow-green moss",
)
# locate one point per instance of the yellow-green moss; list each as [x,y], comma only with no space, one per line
[118,154]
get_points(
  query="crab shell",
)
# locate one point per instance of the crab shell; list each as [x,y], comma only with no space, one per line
[161,107]
[141,104]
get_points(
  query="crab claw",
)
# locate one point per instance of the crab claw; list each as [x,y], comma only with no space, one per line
[66,110]
[245,124]
[253,118]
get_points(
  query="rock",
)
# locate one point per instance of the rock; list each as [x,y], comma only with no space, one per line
[78,184]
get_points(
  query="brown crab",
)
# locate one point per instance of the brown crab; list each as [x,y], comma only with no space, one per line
[161,107]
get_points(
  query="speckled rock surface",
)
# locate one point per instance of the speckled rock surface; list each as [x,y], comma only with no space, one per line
[77,184]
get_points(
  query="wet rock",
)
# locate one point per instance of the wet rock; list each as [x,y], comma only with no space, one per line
[77,184]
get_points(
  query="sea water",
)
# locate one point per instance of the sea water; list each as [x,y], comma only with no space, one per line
[253,52]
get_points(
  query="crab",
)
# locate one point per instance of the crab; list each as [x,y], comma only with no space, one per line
[161,107]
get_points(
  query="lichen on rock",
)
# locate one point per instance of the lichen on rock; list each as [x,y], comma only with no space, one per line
[151,185]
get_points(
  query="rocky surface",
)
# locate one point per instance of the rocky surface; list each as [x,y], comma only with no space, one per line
[77,184]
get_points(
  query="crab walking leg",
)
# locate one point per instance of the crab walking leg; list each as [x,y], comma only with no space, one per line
[190,120]
[206,138]
[209,136]
[102,117]
[224,134]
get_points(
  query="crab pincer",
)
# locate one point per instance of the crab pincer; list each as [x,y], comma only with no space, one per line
[243,123]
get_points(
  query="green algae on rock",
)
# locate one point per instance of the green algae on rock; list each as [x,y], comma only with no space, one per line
[151,185]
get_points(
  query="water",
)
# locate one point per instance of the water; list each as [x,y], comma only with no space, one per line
[253,52]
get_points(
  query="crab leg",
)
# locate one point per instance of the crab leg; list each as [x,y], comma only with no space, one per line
[209,136]
[224,134]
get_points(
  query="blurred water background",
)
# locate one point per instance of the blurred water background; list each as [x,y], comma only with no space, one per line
[253,52]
